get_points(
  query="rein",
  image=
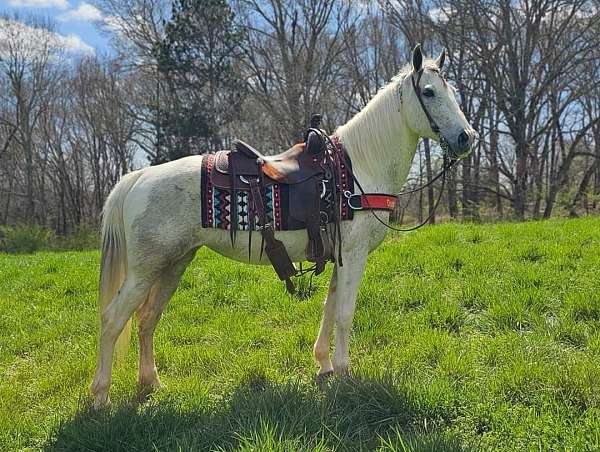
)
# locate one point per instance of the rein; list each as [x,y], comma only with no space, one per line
[447,165]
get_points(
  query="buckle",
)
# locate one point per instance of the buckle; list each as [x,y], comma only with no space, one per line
[350,196]
[247,181]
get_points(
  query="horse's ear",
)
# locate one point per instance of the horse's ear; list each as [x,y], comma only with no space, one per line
[417,58]
[440,60]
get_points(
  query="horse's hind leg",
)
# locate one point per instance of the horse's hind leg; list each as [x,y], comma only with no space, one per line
[132,294]
[148,316]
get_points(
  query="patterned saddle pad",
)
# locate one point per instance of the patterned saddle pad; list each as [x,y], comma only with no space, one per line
[217,203]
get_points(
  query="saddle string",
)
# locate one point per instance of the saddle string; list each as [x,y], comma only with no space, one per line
[333,162]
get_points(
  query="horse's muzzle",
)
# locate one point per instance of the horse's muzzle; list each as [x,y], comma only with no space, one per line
[463,144]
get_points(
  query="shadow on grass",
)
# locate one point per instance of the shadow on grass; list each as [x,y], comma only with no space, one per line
[344,414]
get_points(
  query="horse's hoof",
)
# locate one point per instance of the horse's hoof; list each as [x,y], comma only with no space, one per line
[325,375]
[341,371]
[143,394]
[101,403]
[146,390]
[322,378]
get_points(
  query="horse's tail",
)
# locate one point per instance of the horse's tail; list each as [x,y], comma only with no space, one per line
[113,269]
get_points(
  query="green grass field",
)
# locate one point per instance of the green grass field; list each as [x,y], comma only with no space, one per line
[466,338]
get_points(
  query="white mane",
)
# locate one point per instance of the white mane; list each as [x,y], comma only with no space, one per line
[375,136]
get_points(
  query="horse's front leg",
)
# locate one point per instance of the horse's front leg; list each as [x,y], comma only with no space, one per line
[348,281]
[321,349]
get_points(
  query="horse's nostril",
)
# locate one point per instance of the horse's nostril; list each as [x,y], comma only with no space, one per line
[463,139]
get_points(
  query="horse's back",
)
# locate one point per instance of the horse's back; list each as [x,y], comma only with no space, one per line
[162,211]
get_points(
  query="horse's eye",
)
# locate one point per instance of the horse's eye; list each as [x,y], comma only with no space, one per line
[428,92]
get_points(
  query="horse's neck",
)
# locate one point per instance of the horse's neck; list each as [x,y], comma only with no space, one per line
[380,143]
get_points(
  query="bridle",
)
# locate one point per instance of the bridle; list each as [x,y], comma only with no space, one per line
[434,127]
[448,163]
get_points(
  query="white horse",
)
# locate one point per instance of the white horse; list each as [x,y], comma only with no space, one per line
[152,221]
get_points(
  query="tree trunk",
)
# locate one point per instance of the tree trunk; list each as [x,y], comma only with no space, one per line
[520,188]
[466,188]
[30,209]
[583,187]
[452,197]
[494,167]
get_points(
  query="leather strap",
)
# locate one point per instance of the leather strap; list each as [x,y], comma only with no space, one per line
[274,248]
[434,127]
[371,201]
[260,209]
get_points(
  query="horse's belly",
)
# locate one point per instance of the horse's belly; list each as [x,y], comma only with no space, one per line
[219,241]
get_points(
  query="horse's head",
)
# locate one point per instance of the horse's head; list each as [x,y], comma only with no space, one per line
[431,108]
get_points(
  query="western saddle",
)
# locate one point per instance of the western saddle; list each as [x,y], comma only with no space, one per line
[304,168]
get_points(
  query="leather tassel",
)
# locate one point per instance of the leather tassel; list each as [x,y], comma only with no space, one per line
[233,213]
[232,206]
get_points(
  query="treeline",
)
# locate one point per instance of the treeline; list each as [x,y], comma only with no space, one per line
[186,77]
[67,130]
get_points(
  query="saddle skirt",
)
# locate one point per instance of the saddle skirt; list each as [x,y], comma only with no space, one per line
[282,201]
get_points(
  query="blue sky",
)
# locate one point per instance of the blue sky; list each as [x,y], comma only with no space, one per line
[76,20]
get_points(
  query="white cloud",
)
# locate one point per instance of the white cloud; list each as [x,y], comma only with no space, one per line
[114,24]
[31,42]
[74,44]
[61,4]
[84,12]
[438,15]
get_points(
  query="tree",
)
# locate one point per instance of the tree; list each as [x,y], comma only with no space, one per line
[293,61]
[525,51]
[198,60]
[29,72]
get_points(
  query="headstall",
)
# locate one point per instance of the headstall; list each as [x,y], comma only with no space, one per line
[383,201]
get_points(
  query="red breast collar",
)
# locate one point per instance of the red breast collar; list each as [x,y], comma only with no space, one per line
[371,201]
[364,201]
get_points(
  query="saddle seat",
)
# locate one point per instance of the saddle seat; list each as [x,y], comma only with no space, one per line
[290,167]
